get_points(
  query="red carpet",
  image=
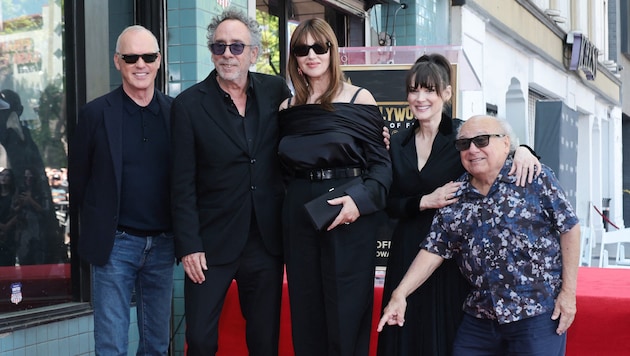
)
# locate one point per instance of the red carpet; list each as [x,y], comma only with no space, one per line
[601,327]
[232,325]
[602,323]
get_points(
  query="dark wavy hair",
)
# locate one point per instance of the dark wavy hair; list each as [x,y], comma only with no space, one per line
[11,174]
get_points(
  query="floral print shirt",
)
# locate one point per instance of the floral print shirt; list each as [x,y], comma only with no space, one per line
[507,244]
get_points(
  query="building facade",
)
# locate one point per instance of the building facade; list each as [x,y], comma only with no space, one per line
[547,67]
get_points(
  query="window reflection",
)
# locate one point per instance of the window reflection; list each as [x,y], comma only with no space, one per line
[8,218]
[34,244]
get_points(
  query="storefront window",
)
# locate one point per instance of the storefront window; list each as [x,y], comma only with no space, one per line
[34,243]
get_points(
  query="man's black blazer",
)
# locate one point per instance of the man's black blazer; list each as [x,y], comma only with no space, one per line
[95,171]
[217,182]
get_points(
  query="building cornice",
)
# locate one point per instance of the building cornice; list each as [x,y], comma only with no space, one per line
[528,27]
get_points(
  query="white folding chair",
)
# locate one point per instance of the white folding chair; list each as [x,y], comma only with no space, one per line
[587,236]
[618,238]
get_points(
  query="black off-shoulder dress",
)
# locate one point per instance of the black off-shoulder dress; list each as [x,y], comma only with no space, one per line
[331,273]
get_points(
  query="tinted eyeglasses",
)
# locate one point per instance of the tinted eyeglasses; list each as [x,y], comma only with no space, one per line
[480,141]
[235,48]
[302,50]
[133,58]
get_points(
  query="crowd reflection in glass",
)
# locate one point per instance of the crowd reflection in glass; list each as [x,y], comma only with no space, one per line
[33,198]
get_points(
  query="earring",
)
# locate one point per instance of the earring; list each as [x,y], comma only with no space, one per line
[300,71]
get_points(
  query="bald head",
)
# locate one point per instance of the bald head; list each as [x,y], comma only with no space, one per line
[484,144]
[135,29]
[138,59]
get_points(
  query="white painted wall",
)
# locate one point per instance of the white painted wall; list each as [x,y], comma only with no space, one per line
[497,59]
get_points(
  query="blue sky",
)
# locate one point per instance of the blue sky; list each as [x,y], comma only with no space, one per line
[15,8]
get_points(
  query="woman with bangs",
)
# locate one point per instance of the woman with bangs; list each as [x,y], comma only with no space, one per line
[330,134]
[425,165]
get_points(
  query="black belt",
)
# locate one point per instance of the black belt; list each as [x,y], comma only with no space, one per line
[332,173]
[136,232]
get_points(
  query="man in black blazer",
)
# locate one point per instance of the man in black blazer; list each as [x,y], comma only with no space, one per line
[227,190]
[119,180]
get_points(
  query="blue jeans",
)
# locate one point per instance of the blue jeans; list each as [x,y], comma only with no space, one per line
[530,336]
[143,263]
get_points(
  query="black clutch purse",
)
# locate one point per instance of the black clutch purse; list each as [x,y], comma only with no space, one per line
[320,212]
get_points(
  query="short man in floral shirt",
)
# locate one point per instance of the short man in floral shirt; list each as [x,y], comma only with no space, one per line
[517,246]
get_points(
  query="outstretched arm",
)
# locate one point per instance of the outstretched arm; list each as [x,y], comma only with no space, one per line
[420,270]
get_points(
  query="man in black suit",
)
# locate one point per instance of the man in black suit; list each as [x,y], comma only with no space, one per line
[119,179]
[227,190]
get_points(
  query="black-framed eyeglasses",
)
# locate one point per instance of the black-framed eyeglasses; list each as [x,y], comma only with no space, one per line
[133,58]
[302,50]
[235,48]
[480,141]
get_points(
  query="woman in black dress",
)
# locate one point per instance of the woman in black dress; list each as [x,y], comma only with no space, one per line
[425,165]
[330,133]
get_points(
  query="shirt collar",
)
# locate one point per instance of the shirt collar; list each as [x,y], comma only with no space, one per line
[132,108]
[445,128]
[503,177]
[250,84]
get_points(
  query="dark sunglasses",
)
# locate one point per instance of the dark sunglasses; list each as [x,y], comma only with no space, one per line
[480,141]
[235,48]
[302,50]
[133,58]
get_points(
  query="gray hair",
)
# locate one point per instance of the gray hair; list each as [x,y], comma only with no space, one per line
[136,28]
[505,127]
[236,14]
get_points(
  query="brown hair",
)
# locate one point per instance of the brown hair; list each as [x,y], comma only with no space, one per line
[322,33]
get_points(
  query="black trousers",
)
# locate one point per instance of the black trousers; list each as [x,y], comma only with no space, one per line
[259,277]
[330,277]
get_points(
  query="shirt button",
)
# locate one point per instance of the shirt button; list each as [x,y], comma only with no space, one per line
[252,161]
[253,187]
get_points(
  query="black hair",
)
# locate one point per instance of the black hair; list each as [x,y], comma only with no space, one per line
[429,71]
[13,99]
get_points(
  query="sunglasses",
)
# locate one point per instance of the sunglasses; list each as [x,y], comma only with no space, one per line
[133,58]
[302,50]
[235,48]
[480,141]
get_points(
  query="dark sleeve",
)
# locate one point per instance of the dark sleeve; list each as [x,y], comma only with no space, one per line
[183,187]
[371,196]
[79,157]
[400,206]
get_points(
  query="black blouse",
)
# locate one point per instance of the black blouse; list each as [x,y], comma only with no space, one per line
[350,136]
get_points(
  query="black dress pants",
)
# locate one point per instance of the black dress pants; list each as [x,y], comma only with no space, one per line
[330,277]
[259,277]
